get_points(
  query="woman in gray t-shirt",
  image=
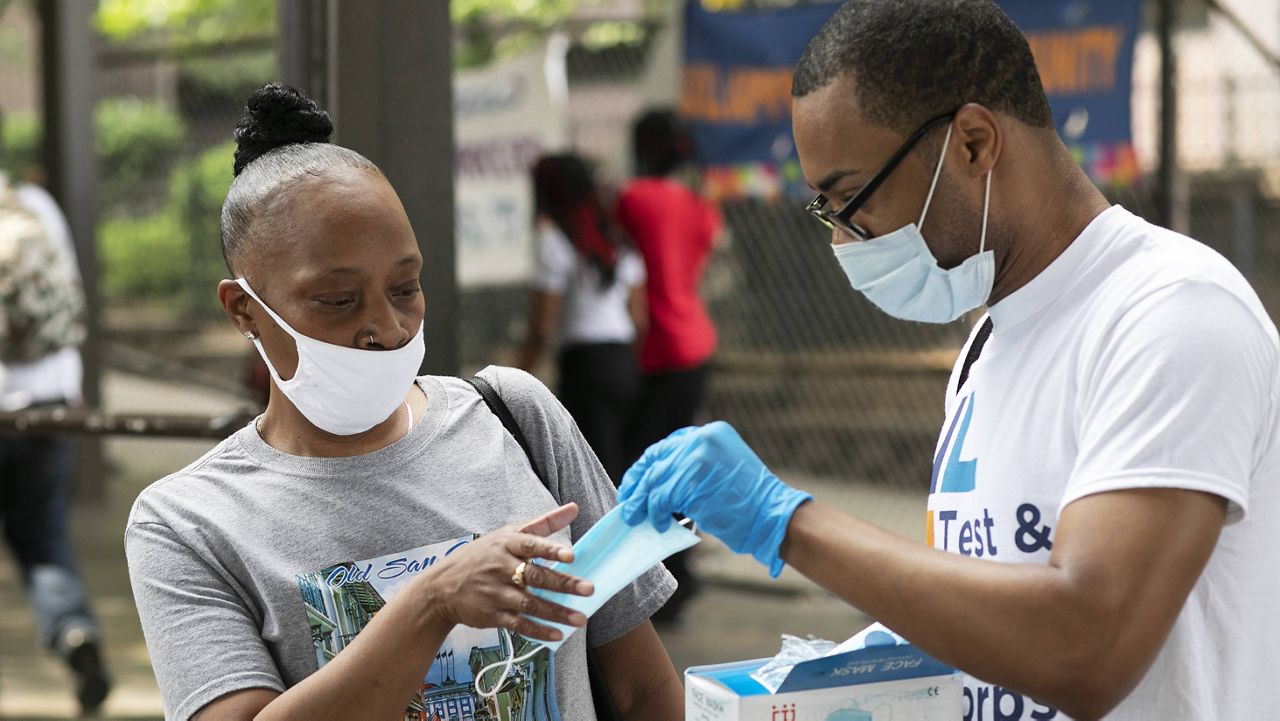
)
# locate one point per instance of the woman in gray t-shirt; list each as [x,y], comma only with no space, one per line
[355,504]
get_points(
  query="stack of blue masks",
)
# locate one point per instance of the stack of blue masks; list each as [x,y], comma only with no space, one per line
[611,555]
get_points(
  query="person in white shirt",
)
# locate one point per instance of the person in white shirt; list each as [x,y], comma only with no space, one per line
[588,290]
[35,477]
[1101,519]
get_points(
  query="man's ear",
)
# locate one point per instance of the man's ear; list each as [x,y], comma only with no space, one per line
[981,137]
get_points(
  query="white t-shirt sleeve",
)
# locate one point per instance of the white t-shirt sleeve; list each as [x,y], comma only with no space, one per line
[1178,395]
[631,271]
[556,260]
[42,205]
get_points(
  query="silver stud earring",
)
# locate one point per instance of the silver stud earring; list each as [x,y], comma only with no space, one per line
[250,335]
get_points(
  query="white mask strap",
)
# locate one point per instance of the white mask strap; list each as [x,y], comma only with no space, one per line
[244,284]
[257,340]
[936,172]
[986,206]
[506,665]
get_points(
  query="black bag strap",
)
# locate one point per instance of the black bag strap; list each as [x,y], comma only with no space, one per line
[605,710]
[975,350]
[500,409]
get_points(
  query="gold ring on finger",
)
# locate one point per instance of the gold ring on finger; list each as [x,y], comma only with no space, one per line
[518,577]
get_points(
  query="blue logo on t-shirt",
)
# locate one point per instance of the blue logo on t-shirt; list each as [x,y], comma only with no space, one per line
[959,476]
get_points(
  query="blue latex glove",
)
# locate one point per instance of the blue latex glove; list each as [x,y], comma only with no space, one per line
[709,474]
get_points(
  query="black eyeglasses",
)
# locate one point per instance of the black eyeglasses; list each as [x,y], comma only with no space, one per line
[842,217]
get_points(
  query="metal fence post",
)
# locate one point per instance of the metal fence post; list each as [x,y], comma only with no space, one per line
[1173,188]
[68,50]
[304,46]
[390,92]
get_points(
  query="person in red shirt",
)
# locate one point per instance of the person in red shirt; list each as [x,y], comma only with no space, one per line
[675,229]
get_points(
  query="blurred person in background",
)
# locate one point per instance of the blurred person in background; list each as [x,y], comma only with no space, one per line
[1102,518]
[674,229]
[588,291]
[324,560]
[41,328]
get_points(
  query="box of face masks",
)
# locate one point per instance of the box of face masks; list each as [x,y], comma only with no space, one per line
[873,683]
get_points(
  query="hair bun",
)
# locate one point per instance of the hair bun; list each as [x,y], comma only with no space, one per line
[275,116]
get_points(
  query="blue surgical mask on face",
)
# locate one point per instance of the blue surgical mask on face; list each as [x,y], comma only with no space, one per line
[899,274]
[611,555]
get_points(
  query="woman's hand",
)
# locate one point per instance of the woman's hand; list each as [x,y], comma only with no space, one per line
[475,585]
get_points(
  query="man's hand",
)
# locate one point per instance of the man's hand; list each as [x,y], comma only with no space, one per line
[710,475]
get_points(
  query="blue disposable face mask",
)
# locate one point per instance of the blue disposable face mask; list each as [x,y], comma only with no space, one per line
[611,555]
[899,274]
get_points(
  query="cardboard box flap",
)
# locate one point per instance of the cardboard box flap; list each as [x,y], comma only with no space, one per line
[735,676]
[868,665]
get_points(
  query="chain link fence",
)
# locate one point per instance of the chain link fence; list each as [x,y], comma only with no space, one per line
[819,381]
[815,378]
[164,110]
[164,116]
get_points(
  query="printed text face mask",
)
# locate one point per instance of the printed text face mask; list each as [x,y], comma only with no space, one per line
[899,274]
[341,390]
[611,555]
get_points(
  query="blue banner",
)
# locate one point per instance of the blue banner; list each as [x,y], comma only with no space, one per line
[737,86]
[1084,53]
[737,93]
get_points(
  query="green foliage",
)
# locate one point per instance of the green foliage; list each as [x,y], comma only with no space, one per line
[493,29]
[16,48]
[172,255]
[605,35]
[195,195]
[151,257]
[136,142]
[540,12]
[224,49]
[20,137]
[143,257]
[200,185]
[225,80]
[186,21]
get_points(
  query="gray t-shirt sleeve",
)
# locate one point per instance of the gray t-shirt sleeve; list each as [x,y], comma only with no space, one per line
[176,592]
[575,474]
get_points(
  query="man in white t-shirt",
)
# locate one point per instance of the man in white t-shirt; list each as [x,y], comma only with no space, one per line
[35,471]
[1102,509]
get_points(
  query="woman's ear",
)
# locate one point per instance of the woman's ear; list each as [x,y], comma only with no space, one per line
[235,302]
[981,138]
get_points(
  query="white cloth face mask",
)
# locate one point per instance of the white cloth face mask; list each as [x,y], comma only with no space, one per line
[341,390]
[899,274]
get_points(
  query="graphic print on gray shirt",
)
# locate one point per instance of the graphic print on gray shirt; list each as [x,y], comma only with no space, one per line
[220,553]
